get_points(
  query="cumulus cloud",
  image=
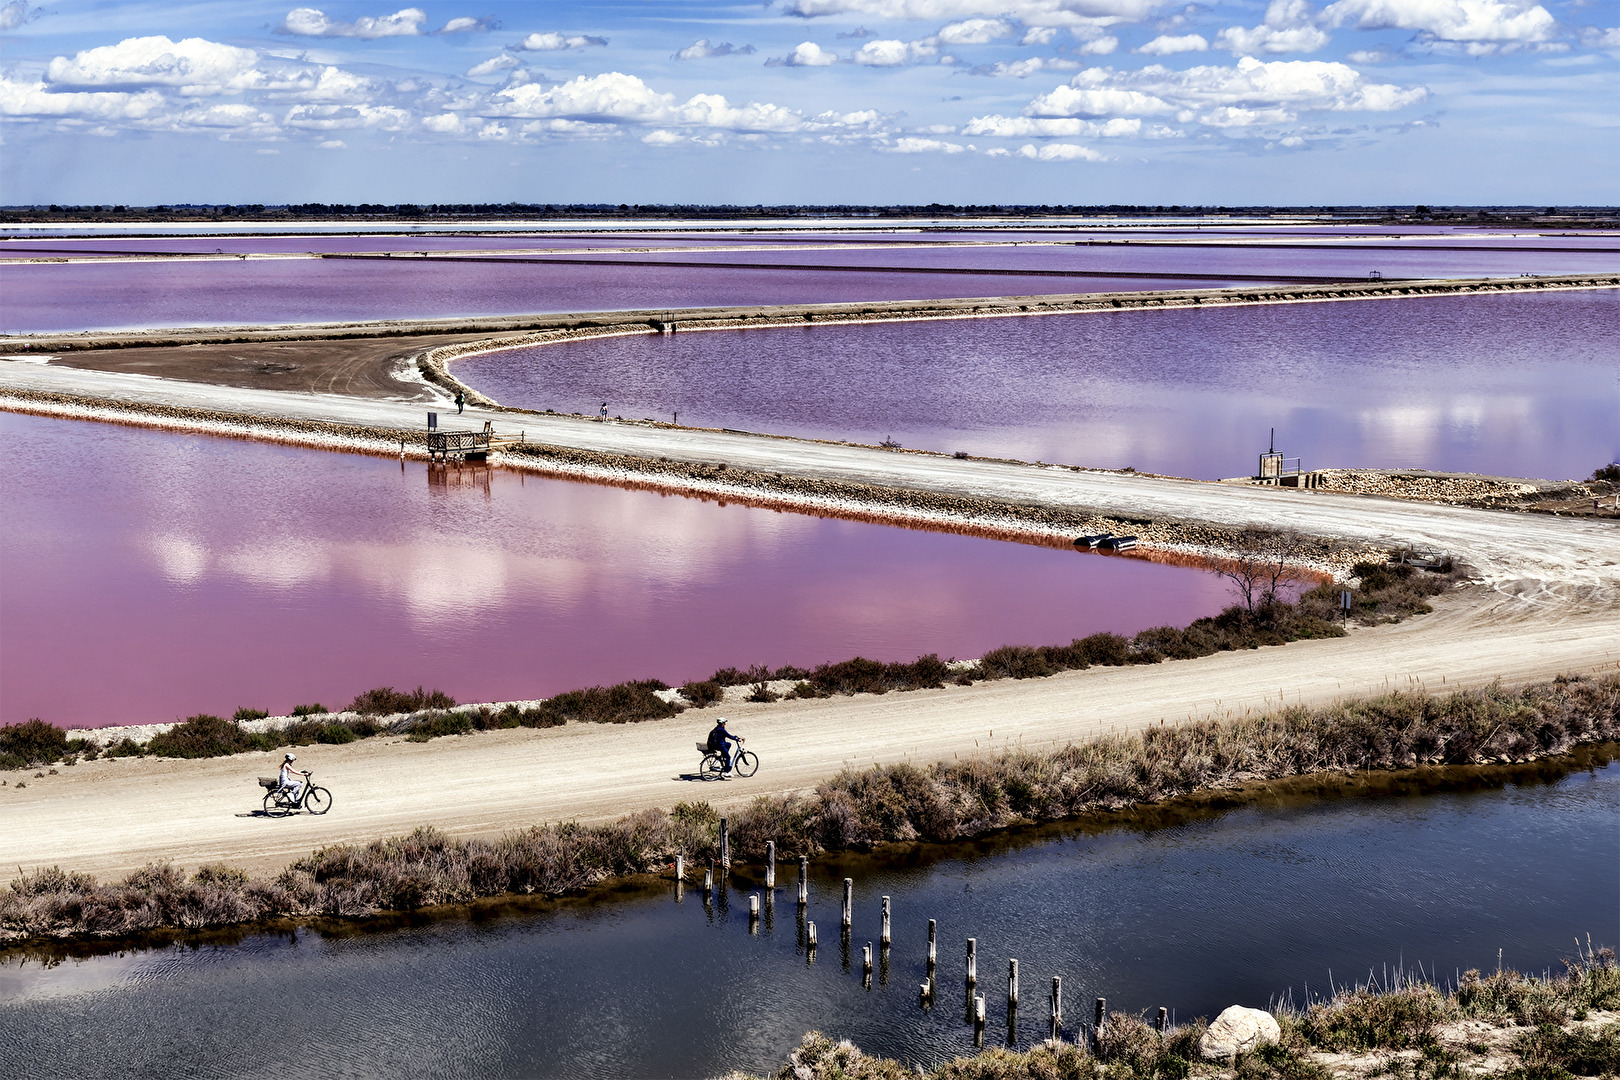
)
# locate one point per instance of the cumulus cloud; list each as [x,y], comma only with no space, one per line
[1597,37]
[1289,26]
[195,66]
[1022,69]
[1250,93]
[615,96]
[1489,24]
[553,41]
[804,54]
[1028,12]
[32,99]
[1167,44]
[467,24]
[703,48]
[1059,152]
[913,145]
[893,53]
[1098,46]
[1023,127]
[312,22]
[975,31]
[494,66]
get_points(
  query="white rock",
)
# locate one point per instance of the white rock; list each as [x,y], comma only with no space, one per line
[1238,1031]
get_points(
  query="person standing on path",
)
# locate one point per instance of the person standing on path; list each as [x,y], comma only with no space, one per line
[461,401]
[602,415]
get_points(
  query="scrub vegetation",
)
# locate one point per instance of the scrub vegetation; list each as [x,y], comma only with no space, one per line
[1385,593]
[1533,1029]
[857,809]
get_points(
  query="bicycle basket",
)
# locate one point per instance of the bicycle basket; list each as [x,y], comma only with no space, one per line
[269,782]
[703,747]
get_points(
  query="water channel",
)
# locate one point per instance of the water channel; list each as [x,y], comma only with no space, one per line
[171,574]
[1199,911]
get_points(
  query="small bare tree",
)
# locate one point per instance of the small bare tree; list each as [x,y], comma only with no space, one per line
[1261,562]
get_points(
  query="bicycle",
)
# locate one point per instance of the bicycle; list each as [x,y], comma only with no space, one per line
[744,763]
[315,800]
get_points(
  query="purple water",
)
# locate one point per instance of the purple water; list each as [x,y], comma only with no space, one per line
[150,575]
[1519,385]
[79,296]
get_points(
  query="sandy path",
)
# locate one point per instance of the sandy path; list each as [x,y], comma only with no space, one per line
[1551,604]
[108,817]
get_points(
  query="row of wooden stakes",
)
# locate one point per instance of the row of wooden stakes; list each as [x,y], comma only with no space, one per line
[926,990]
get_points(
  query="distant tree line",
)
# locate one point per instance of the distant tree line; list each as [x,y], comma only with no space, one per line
[1585,215]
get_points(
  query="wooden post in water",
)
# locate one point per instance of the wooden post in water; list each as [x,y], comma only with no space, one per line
[1163,1020]
[866,960]
[1012,983]
[753,905]
[978,1019]
[1057,1006]
[770,864]
[849,902]
[708,881]
[680,867]
[804,880]
[810,938]
[884,936]
[725,844]
[1102,1018]
[931,955]
[972,961]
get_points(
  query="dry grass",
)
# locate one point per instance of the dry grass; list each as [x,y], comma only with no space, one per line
[863,808]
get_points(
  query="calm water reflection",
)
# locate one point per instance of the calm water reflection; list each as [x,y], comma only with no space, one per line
[149,575]
[1234,907]
[1510,385]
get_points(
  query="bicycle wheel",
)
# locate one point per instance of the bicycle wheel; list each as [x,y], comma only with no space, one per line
[318,801]
[270,804]
[746,763]
[712,767]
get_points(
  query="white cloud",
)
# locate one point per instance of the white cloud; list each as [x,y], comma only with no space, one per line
[466,24]
[1060,152]
[1493,22]
[1598,38]
[1098,46]
[1022,69]
[1028,12]
[893,53]
[911,145]
[805,54]
[194,66]
[312,22]
[1023,127]
[1249,93]
[614,96]
[1038,35]
[702,49]
[1167,44]
[975,31]
[33,100]
[340,117]
[1289,26]
[552,41]
[15,13]
[661,137]
[334,144]
[494,66]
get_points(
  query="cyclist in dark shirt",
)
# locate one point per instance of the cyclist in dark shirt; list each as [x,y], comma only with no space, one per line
[720,742]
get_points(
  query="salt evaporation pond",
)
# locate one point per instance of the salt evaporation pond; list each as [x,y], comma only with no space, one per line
[1220,908]
[151,575]
[1516,385]
[86,295]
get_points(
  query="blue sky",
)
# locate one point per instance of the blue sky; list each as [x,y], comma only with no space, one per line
[871,101]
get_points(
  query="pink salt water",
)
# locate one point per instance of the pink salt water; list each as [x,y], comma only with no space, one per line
[147,575]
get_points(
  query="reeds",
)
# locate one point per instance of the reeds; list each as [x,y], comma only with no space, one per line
[861,808]
[1400,1016]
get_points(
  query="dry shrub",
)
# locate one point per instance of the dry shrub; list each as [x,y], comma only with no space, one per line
[386,701]
[204,736]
